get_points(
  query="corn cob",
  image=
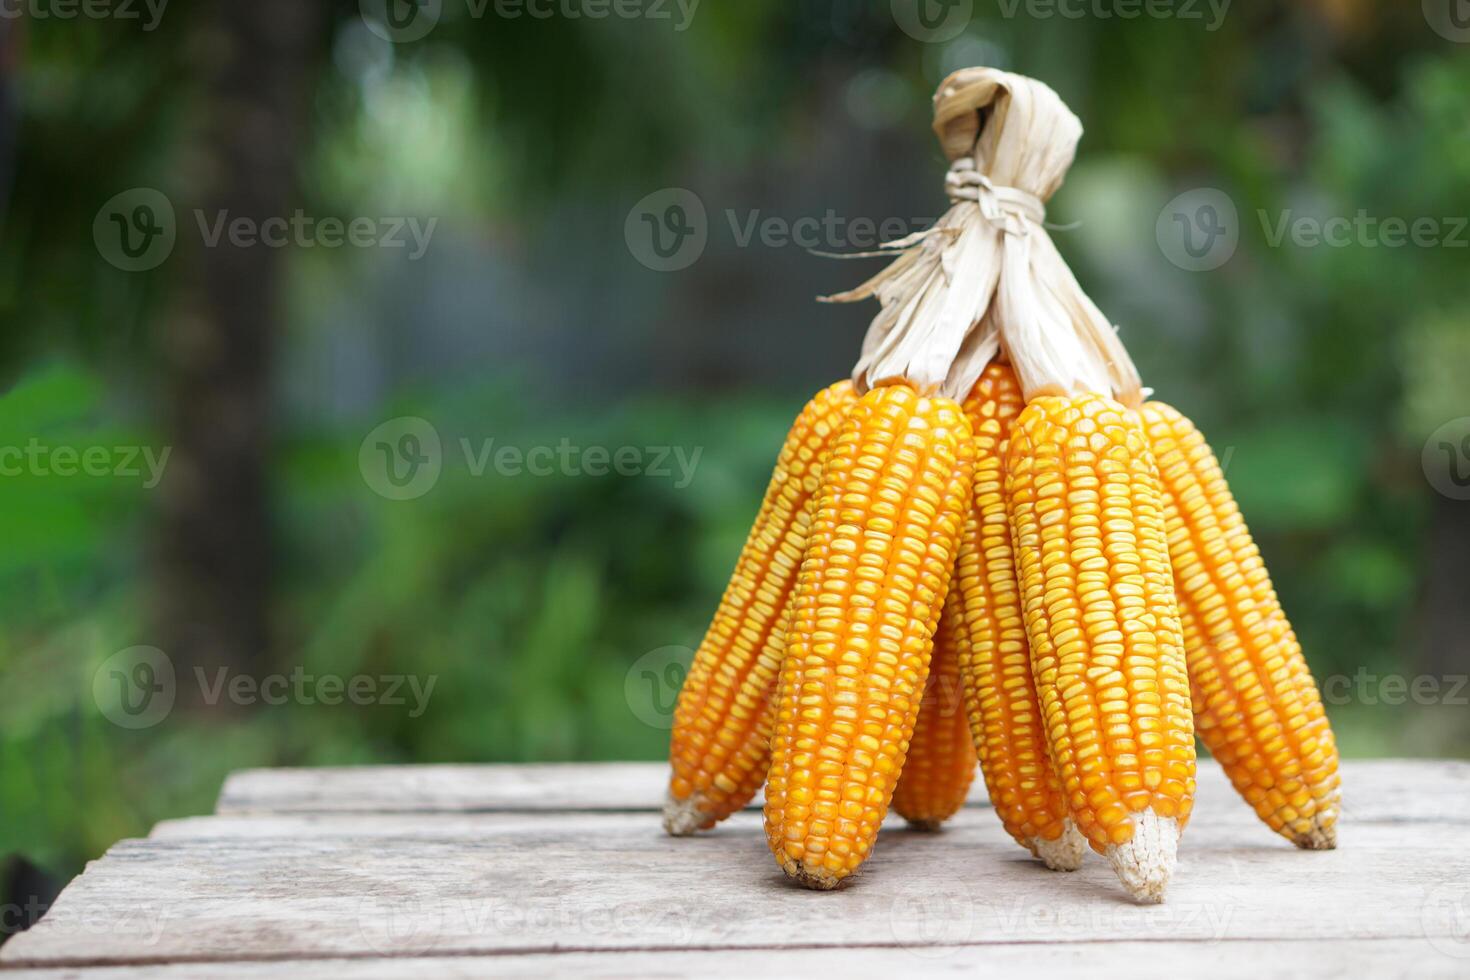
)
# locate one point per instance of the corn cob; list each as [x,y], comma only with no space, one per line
[995,660]
[867,602]
[722,722]
[1256,706]
[1087,515]
[940,764]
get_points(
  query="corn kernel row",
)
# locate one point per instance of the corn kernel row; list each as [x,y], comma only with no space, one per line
[1087,515]
[868,599]
[721,738]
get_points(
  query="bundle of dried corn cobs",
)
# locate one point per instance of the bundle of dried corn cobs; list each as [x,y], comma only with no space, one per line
[990,507]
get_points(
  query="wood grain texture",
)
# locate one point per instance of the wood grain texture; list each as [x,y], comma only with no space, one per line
[1084,961]
[413,789]
[1439,786]
[284,803]
[500,881]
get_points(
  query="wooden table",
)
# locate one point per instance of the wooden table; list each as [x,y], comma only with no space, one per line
[545,871]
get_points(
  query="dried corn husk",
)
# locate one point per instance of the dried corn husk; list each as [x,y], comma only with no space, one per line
[987,277]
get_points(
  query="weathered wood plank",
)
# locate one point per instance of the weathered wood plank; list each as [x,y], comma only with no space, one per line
[276,808]
[537,829]
[1103,961]
[1376,790]
[389,789]
[451,826]
[319,885]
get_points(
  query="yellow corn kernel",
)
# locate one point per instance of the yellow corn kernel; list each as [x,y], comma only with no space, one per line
[867,602]
[1087,518]
[1256,706]
[994,656]
[722,723]
[940,764]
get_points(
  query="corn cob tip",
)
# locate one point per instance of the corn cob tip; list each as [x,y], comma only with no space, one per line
[1063,854]
[1145,861]
[926,826]
[683,817]
[1322,836]
[817,879]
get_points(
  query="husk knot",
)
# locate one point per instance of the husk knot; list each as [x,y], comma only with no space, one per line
[987,276]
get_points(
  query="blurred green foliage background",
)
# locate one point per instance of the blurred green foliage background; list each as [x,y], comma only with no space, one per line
[1319,373]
